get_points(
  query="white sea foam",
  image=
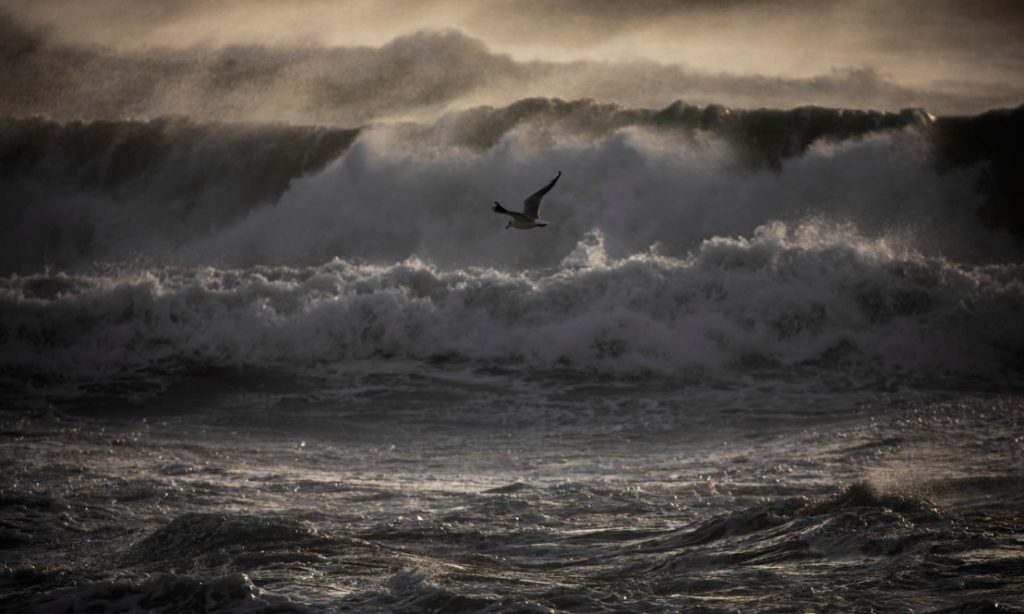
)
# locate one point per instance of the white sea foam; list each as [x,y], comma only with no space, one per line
[814,293]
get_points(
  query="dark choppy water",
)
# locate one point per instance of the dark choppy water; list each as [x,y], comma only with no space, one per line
[452,488]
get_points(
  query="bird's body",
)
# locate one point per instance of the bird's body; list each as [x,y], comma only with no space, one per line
[519,220]
[530,215]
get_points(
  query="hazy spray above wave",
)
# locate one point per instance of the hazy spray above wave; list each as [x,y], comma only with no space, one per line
[392,197]
[357,64]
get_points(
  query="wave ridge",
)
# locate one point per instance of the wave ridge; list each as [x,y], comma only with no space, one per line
[787,296]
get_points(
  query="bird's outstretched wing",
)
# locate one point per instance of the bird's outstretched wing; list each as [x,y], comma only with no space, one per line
[531,206]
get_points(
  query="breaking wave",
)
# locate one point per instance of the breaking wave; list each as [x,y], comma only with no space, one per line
[812,294]
[234,194]
[688,239]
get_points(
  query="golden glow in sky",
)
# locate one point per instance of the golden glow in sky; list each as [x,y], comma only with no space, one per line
[949,57]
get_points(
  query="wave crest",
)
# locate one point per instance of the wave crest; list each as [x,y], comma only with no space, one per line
[788,296]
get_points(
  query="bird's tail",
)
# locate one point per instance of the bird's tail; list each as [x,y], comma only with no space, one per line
[499,209]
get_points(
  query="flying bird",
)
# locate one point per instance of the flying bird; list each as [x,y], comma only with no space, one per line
[530,216]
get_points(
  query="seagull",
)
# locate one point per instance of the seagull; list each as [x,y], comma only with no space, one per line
[529,218]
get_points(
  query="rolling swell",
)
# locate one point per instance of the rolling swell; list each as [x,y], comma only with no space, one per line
[857,525]
[812,549]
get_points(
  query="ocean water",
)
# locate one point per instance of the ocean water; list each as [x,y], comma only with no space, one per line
[761,360]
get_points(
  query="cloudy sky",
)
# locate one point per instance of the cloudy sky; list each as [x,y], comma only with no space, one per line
[349,62]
